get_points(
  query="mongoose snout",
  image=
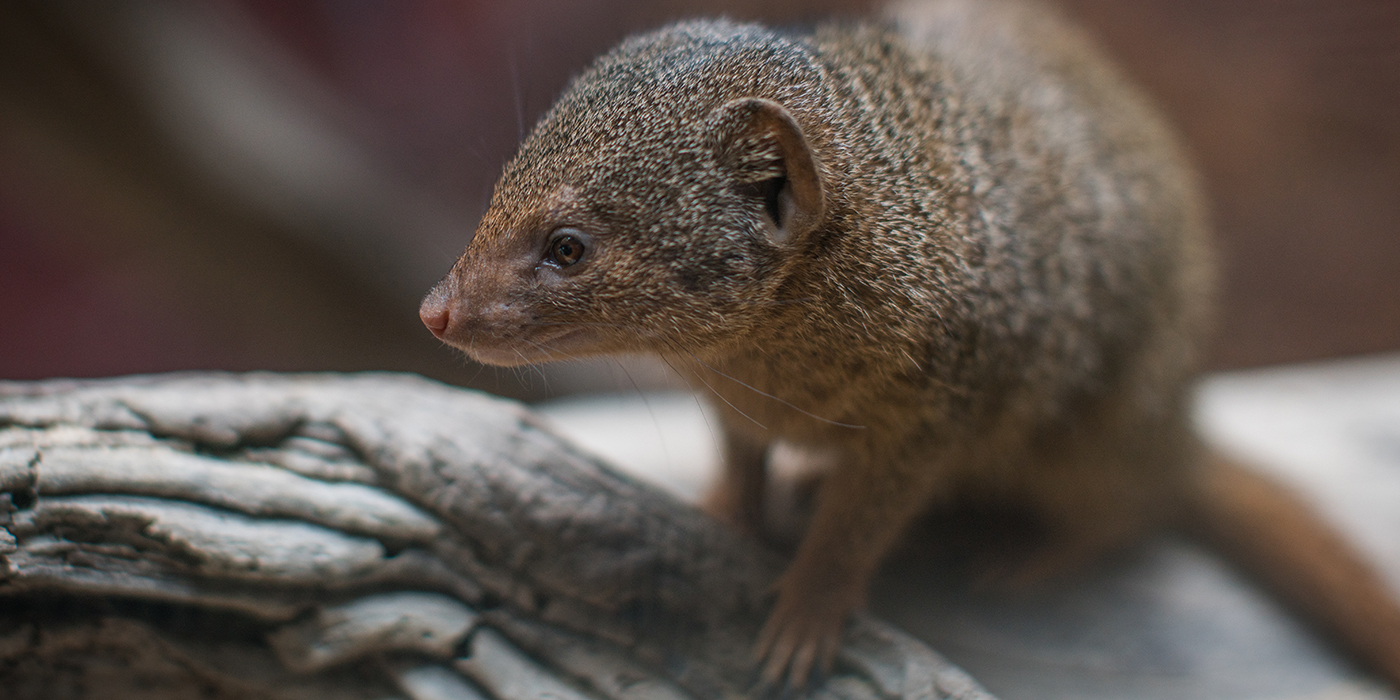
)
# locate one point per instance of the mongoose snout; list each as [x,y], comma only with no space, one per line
[952,248]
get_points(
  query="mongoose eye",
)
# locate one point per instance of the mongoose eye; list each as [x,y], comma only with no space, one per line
[566,247]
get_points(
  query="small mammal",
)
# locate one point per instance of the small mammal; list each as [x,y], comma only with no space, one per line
[953,248]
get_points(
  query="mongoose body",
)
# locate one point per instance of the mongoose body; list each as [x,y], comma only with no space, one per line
[952,249]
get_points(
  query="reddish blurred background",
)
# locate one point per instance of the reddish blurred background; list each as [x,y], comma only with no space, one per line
[262,184]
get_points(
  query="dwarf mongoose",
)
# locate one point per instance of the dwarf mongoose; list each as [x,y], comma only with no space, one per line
[951,247]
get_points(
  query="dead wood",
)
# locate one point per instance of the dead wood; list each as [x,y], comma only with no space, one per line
[366,536]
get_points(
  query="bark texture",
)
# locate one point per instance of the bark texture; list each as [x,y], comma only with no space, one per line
[367,536]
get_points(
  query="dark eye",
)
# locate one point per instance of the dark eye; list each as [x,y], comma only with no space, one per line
[566,247]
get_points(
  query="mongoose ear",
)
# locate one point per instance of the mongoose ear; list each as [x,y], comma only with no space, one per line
[763,148]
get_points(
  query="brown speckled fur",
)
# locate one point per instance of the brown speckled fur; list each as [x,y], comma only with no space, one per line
[1001,290]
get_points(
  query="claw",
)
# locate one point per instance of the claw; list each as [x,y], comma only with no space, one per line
[799,642]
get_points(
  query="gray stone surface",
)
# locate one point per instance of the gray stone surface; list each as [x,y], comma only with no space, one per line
[1166,620]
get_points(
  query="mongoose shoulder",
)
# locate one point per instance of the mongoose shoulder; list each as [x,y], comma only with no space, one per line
[952,248]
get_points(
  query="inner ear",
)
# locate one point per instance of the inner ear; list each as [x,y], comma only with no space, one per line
[768,157]
[776,194]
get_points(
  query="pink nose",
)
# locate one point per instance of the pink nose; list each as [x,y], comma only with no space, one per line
[436,315]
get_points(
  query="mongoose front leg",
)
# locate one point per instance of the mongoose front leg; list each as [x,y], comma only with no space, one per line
[957,224]
[862,508]
[737,499]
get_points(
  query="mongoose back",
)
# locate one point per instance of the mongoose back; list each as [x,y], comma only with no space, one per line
[952,249]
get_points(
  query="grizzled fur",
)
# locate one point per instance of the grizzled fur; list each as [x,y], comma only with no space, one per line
[1009,249]
[999,286]
[969,241]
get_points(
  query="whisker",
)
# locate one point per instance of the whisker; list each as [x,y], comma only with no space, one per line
[480,367]
[576,323]
[775,398]
[646,402]
[731,405]
[700,362]
[519,101]
[714,437]
[554,353]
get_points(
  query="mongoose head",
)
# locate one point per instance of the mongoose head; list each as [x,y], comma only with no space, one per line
[659,206]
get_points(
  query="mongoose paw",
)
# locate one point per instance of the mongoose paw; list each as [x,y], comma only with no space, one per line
[804,631]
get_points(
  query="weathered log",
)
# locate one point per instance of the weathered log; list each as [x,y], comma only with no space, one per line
[367,536]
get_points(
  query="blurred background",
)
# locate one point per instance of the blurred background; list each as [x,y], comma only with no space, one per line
[261,184]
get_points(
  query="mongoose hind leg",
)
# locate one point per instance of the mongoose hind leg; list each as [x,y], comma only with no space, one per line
[1070,544]
[1088,509]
